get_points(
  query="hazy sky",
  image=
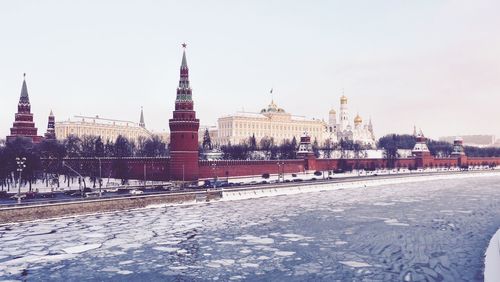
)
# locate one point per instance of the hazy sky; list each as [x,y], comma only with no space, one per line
[432,63]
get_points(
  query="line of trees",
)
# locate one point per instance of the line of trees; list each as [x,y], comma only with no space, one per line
[392,142]
[265,149]
[73,147]
[268,149]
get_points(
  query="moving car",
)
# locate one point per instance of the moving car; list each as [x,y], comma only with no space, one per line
[136,192]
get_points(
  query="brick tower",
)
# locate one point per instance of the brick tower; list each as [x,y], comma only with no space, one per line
[421,152]
[184,130]
[23,125]
[51,128]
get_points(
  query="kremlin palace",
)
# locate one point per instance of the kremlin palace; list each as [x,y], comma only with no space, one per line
[272,122]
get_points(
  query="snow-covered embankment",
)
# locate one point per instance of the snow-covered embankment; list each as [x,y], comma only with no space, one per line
[492,260]
[297,188]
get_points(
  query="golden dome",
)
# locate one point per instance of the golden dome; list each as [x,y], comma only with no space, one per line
[358,119]
[343,99]
[333,112]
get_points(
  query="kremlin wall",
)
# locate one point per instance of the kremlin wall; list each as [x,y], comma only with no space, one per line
[160,169]
[184,163]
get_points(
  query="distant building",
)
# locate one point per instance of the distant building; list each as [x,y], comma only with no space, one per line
[23,125]
[271,122]
[473,140]
[107,129]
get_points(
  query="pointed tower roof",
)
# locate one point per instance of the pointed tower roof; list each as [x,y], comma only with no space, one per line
[184,61]
[24,92]
[141,122]
[184,90]
[51,113]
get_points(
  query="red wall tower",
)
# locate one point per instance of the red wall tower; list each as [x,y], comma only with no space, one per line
[23,125]
[184,130]
[51,127]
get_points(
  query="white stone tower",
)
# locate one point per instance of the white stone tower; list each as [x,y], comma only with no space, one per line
[344,113]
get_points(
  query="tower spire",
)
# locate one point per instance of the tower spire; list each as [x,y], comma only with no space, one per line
[184,61]
[184,90]
[141,121]
[24,92]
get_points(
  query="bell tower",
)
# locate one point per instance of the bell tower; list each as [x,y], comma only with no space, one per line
[184,130]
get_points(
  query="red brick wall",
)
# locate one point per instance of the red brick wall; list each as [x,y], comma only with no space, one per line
[233,168]
[159,168]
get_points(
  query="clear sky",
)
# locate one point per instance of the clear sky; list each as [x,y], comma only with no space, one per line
[432,63]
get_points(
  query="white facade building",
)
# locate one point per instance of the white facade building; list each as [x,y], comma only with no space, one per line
[357,131]
[107,129]
[271,122]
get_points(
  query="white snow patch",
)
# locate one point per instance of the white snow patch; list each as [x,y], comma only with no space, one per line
[224,262]
[166,249]
[492,260]
[232,243]
[284,253]
[94,235]
[383,204]
[395,222]
[81,248]
[355,264]
[256,240]
[250,265]
[294,237]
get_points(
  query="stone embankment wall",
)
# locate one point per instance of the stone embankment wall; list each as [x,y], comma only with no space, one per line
[34,212]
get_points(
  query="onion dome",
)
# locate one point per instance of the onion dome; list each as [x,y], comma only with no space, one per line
[358,120]
[333,112]
[343,99]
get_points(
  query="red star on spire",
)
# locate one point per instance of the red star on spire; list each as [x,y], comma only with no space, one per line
[184,45]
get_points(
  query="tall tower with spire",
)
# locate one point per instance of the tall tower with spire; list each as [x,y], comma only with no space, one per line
[344,113]
[141,121]
[23,125]
[51,127]
[184,130]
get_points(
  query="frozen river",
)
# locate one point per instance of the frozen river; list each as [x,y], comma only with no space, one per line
[437,230]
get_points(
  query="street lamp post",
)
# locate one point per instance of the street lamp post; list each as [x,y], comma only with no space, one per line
[144,175]
[81,177]
[20,167]
[100,177]
[281,165]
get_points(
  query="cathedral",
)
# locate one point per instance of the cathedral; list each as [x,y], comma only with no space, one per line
[343,129]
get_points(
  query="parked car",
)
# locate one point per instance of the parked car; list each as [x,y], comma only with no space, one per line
[91,195]
[135,192]
[31,195]
[15,197]
[47,195]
